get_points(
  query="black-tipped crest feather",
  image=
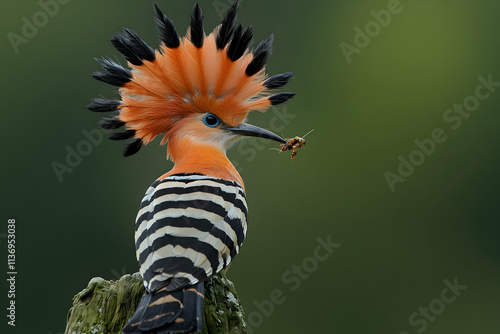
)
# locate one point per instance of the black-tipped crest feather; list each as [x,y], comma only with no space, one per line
[138,46]
[241,40]
[166,29]
[121,44]
[280,98]
[115,74]
[197,33]
[132,148]
[110,123]
[278,81]
[100,104]
[261,54]
[127,134]
[227,26]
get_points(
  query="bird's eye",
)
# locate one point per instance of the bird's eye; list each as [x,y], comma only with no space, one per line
[211,120]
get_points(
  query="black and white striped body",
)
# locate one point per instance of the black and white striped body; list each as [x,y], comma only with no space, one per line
[189,227]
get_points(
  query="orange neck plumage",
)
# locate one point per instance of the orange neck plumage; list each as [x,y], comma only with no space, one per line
[191,156]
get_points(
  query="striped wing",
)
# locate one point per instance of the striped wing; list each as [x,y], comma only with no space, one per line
[189,227]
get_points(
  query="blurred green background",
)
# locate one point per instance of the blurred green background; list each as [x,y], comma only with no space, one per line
[397,247]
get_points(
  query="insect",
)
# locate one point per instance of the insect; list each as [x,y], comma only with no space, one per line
[293,144]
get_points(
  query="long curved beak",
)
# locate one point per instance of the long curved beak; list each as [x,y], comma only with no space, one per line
[254,131]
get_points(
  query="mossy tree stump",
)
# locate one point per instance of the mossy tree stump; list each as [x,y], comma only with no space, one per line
[105,306]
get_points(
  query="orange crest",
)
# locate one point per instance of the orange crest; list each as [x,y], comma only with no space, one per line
[216,74]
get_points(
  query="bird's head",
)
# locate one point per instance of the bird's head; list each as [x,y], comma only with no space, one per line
[196,91]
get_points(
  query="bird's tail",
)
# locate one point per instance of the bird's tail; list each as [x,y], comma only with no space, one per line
[165,312]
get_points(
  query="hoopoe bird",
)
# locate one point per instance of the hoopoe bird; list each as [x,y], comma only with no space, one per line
[197,91]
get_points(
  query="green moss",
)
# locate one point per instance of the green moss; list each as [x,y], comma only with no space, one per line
[105,306]
[223,312]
